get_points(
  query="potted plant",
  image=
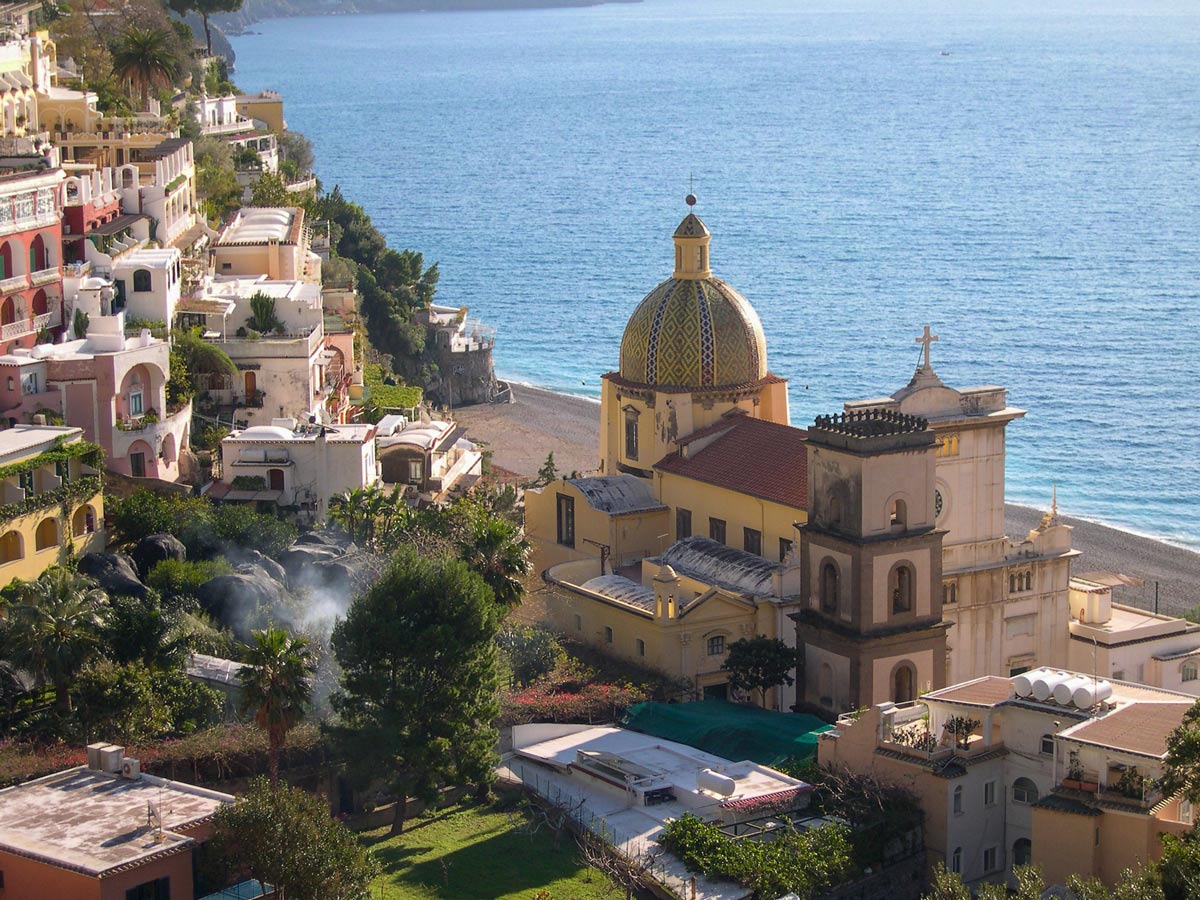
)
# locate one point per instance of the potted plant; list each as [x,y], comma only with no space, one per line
[1075,775]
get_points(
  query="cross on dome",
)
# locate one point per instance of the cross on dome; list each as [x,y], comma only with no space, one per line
[927,338]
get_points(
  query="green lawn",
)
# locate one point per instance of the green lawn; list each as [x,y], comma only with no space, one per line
[470,852]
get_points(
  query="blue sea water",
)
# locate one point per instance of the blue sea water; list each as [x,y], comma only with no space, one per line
[1023,176]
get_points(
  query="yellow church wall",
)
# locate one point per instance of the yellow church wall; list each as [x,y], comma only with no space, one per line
[739,511]
[630,537]
[676,646]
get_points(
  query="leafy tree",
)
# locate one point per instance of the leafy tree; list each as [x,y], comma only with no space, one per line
[205,530]
[134,702]
[270,190]
[1181,768]
[137,630]
[262,314]
[285,837]
[368,514]
[530,652]
[216,177]
[1141,885]
[277,686]
[200,357]
[54,629]
[759,664]
[1179,868]
[146,59]
[205,8]
[419,681]
[547,473]
[297,151]
[180,388]
[178,581]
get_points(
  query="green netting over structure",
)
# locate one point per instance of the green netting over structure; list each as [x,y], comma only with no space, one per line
[730,730]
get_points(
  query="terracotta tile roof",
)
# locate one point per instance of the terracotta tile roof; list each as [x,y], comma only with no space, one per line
[986,691]
[755,457]
[1137,728]
[776,798]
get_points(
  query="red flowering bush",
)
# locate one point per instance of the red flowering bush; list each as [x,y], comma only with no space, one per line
[549,702]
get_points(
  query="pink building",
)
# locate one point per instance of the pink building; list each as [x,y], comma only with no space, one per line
[30,256]
[111,386]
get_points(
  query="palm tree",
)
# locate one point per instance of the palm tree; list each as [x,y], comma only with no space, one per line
[54,628]
[494,548]
[277,685]
[146,59]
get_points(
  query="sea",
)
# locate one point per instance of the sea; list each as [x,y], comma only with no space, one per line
[1024,177]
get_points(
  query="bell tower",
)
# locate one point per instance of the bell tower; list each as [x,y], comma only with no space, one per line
[871,563]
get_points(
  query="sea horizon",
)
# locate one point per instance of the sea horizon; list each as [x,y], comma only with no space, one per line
[1023,181]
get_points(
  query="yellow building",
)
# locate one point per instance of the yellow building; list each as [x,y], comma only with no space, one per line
[684,542]
[265,107]
[53,507]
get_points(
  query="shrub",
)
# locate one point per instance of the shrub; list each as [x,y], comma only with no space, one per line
[178,581]
[529,652]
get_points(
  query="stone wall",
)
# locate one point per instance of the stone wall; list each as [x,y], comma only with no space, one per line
[464,378]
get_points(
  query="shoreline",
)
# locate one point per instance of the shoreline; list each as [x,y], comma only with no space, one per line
[541,421]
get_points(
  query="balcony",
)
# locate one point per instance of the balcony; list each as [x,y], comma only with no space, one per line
[14,330]
[126,433]
[14,283]
[51,319]
[45,276]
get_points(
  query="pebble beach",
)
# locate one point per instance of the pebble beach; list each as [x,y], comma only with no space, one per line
[520,435]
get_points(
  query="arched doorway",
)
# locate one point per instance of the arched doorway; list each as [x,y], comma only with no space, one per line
[41,304]
[251,385]
[8,311]
[6,260]
[38,256]
[904,683]
[275,479]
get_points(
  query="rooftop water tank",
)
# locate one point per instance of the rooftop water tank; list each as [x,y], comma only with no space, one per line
[1091,693]
[715,782]
[1023,684]
[1044,683]
[1064,691]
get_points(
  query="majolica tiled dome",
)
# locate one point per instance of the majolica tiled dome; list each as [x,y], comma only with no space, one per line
[694,332]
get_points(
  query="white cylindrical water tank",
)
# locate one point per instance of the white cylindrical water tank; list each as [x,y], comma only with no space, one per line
[1045,682]
[1023,684]
[709,780]
[1092,693]
[1066,690]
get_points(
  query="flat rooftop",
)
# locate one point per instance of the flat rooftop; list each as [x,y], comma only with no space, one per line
[21,440]
[94,822]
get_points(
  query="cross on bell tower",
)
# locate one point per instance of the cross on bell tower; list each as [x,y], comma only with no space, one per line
[927,338]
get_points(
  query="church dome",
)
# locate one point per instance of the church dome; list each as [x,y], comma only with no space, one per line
[693,330]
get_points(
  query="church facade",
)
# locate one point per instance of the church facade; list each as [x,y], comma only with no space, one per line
[873,541]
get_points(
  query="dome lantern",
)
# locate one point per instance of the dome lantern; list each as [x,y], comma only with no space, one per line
[691,245]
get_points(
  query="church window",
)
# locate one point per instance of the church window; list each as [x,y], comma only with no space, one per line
[703,257]
[785,547]
[958,800]
[683,523]
[678,257]
[1024,791]
[716,645]
[949,592]
[1029,581]
[947,445]
[835,510]
[699,257]
[608,635]
[752,541]
[1012,584]
[631,433]
[566,520]
[641,647]
[898,515]
[901,586]
[904,684]
[829,586]
[1189,671]
[716,529]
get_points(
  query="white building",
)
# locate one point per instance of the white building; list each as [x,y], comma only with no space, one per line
[1006,599]
[433,458]
[296,466]
[284,372]
[624,786]
[270,241]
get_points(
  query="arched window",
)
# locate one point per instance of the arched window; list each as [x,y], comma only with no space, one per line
[10,547]
[83,521]
[1022,852]
[956,856]
[1029,581]
[142,281]
[46,534]
[829,586]
[6,261]
[958,800]
[128,179]
[1024,791]
[901,585]
[631,433]
[716,645]
[949,592]
[898,515]
[904,681]
[1188,671]
[1012,584]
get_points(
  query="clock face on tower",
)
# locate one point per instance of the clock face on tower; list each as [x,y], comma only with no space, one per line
[937,504]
